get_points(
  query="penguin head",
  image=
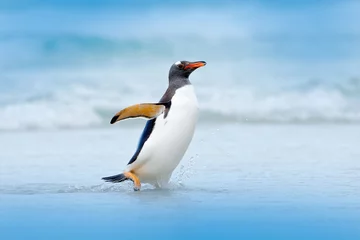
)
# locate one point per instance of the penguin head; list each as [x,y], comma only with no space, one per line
[183,69]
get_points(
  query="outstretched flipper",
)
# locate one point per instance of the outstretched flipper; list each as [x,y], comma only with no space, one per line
[145,110]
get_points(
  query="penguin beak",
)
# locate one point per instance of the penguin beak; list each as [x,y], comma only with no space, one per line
[194,65]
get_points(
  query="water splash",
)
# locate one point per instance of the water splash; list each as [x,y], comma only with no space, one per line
[186,170]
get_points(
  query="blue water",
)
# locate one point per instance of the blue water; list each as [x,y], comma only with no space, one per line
[99,216]
[282,62]
[276,152]
[236,181]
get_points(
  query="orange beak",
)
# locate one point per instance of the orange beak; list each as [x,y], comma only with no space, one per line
[195,65]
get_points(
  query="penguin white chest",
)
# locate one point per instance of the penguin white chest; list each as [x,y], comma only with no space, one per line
[169,139]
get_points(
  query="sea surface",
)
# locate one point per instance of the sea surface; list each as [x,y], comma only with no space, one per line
[284,62]
[236,181]
[276,151]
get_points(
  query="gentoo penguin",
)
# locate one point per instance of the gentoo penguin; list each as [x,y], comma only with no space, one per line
[167,133]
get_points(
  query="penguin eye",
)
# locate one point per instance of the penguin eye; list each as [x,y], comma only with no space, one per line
[181,66]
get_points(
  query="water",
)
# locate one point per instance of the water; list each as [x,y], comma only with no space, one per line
[249,181]
[265,63]
[275,155]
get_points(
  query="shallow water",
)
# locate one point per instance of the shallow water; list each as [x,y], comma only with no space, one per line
[254,181]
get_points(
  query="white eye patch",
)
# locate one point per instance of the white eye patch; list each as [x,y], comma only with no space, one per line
[177,63]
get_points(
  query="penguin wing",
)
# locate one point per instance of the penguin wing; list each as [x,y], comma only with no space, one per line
[145,110]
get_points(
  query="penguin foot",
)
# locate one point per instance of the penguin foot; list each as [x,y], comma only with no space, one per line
[135,179]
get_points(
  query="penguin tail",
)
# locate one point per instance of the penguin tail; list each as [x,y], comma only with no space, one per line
[116,178]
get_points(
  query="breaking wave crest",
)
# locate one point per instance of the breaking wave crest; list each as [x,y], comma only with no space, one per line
[315,105]
[84,106]
[79,75]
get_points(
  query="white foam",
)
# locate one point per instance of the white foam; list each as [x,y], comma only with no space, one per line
[92,106]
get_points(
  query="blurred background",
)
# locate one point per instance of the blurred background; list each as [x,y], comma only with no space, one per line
[276,153]
[72,64]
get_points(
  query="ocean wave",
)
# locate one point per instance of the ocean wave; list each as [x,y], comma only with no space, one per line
[315,105]
[85,106]
[92,64]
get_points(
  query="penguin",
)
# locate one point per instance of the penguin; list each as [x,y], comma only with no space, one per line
[168,131]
